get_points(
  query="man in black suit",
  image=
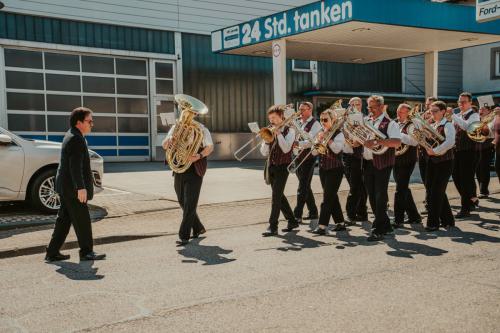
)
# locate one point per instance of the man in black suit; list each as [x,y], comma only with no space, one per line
[75,187]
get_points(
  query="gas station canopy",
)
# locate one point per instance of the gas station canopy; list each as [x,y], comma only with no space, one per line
[359,31]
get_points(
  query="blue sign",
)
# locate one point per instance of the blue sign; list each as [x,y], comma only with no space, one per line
[310,17]
[409,13]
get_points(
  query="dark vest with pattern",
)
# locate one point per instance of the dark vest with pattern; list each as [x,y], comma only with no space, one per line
[462,141]
[200,166]
[410,156]
[331,160]
[277,156]
[387,159]
[486,145]
[446,156]
[304,152]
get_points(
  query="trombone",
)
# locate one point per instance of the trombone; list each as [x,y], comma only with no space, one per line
[266,134]
[320,146]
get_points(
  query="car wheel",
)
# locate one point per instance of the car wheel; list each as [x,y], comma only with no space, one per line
[43,194]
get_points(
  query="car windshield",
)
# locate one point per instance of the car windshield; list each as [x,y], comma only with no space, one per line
[4,131]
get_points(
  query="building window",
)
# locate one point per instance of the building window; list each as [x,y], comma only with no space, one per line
[495,63]
[304,66]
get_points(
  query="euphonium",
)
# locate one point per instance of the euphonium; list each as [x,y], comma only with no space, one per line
[188,134]
[479,131]
[423,133]
[364,131]
[268,133]
[403,148]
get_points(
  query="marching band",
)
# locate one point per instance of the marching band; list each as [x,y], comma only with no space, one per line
[445,142]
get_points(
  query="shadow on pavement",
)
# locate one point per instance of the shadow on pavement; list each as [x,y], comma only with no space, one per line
[208,254]
[17,252]
[78,271]
[409,250]
[160,166]
[459,236]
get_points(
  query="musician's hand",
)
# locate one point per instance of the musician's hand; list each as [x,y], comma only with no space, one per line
[82,195]
[369,143]
[168,143]
[321,135]
[194,158]
[430,152]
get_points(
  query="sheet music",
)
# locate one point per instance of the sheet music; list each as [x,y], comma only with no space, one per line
[254,127]
[485,100]
[167,118]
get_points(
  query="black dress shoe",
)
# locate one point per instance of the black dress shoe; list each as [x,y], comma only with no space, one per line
[182,242]
[93,256]
[201,232]
[431,229]
[375,237]
[361,218]
[57,257]
[484,195]
[397,225]
[311,217]
[414,221]
[462,214]
[339,227]
[270,232]
[290,227]
[319,231]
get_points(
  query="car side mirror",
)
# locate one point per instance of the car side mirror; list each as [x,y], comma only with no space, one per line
[5,139]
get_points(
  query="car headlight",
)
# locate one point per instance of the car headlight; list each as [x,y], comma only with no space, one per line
[94,156]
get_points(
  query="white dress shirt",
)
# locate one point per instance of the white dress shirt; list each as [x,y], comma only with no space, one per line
[315,129]
[285,142]
[406,138]
[393,132]
[207,138]
[449,132]
[458,119]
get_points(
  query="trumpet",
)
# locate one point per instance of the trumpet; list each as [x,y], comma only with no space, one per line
[479,131]
[266,134]
[319,146]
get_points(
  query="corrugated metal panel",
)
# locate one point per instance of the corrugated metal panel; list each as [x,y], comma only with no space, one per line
[52,30]
[187,15]
[237,89]
[381,76]
[450,73]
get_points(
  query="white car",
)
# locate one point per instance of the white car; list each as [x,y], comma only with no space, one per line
[28,169]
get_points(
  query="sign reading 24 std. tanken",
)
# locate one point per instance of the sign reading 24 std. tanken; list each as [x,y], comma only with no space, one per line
[310,17]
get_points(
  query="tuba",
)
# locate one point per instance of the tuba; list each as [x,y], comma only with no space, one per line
[188,134]
[479,131]
[362,131]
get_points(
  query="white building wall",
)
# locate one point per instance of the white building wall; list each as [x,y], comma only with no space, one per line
[477,69]
[196,16]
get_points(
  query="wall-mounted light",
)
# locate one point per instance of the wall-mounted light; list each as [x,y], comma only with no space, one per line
[357,60]
[260,52]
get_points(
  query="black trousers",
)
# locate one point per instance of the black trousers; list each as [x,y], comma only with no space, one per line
[497,163]
[438,176]
[187,187]
[483,169]
[403,198]
[72,212]
[356,199]
[377,182]
[422,166]
[464,168]
[330,207]
[305,195]
[278,175]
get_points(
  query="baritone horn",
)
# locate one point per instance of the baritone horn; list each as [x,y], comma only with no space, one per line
[479,131]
